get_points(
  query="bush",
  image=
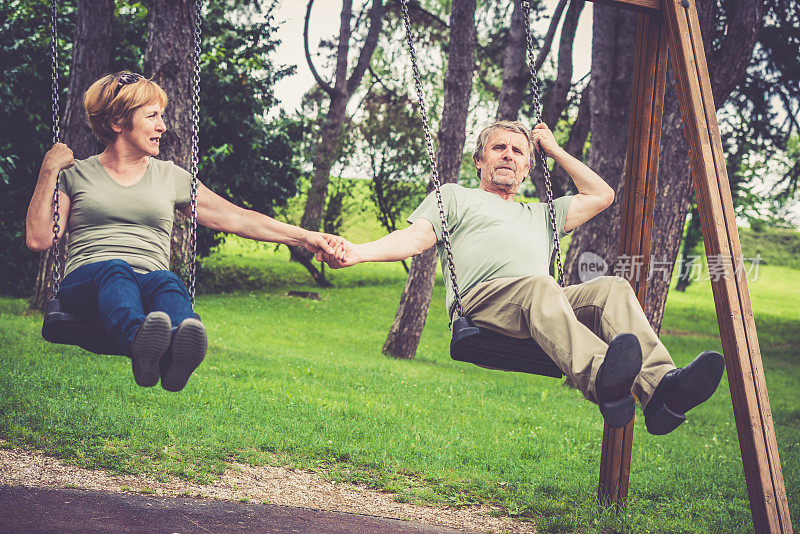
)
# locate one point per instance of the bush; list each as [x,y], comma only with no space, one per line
[776,246]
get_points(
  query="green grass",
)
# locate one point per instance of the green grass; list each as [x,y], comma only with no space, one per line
[302,383]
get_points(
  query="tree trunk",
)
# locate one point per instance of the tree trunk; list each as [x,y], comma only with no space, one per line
[575,143]
[168,60]
[412,312]
[91,56]
[554,101]
[328,150]
[609,100]
[515,71]
[515,68]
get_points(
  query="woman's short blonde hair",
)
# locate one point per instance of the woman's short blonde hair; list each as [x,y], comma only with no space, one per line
[511,126]
[114,98]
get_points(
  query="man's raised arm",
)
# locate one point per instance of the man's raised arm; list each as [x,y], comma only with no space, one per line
[398,245]
[594,194]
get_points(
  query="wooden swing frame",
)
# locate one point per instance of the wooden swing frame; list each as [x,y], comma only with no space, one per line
[670,28]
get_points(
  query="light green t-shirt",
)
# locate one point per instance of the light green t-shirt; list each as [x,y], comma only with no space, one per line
[132,223]
[491,237]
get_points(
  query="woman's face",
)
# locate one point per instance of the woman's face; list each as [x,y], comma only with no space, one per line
[147,126]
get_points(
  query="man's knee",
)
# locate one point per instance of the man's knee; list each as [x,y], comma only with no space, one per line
[538,287]
[612,283]
[541,281]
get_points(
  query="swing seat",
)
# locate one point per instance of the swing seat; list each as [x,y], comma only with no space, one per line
[488,348]
[71,329]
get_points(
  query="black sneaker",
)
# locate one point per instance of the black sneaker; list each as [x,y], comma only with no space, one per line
[150,343]
[615,378]
[681,390]
[187,350]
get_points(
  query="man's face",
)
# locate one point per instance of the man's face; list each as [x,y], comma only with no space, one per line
[506,160]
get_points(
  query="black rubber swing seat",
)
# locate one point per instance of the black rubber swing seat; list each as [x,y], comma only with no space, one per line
[488,348]
[70,329]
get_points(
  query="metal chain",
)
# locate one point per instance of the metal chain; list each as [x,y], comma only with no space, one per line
[195,149]
[432,158]
[56,275]
[541,157]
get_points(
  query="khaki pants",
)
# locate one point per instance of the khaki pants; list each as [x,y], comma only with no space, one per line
[573,325]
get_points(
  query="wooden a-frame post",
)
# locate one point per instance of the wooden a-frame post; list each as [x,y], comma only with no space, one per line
[672,26]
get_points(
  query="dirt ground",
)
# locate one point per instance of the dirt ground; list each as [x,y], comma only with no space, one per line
[261,484]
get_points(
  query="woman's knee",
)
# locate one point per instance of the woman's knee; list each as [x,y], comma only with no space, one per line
[165,280]
[115,268]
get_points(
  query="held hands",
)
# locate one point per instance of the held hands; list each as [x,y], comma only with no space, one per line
[321,243]
[542,139]
[58,158]
[346,256]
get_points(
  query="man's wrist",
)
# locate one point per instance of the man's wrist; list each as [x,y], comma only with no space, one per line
[559,154]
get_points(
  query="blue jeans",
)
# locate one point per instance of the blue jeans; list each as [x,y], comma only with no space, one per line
[119,298]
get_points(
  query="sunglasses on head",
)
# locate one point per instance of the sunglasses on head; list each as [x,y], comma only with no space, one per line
[126,78]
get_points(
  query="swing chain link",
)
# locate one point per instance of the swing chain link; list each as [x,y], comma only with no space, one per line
[194,147]
[56,275]
[541,157]
[432,158]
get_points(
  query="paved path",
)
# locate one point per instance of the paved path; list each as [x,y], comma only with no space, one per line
[25,510]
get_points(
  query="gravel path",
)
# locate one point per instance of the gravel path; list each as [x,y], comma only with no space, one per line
[264,485]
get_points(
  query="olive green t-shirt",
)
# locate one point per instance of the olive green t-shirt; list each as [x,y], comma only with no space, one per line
[491,237]
[132,223]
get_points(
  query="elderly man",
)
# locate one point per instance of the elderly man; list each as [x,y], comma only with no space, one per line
[595,332]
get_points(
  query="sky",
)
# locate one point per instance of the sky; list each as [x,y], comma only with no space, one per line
[325,24]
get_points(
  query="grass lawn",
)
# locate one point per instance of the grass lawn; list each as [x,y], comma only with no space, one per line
[302,383]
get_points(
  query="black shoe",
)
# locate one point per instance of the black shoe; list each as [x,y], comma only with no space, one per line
[681,390]
[187,351]
[150,343]
[615,378]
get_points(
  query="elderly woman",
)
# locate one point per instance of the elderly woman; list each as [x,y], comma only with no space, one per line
[120,207]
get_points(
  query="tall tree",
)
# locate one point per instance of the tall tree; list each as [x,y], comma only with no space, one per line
[412,311]
[168,60]
[609,89]
[396,155]
[91,56]
[516,74]
[554,99]
[328,150]
[578,133]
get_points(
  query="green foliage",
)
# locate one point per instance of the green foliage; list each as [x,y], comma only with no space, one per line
[395,152]
[25,112]
[774,246]
[245,158]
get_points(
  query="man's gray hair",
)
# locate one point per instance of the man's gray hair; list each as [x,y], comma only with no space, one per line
[511,126]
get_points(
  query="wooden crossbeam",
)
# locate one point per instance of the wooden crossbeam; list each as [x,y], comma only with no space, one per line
[762,468]
[647,6]
[641,170]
